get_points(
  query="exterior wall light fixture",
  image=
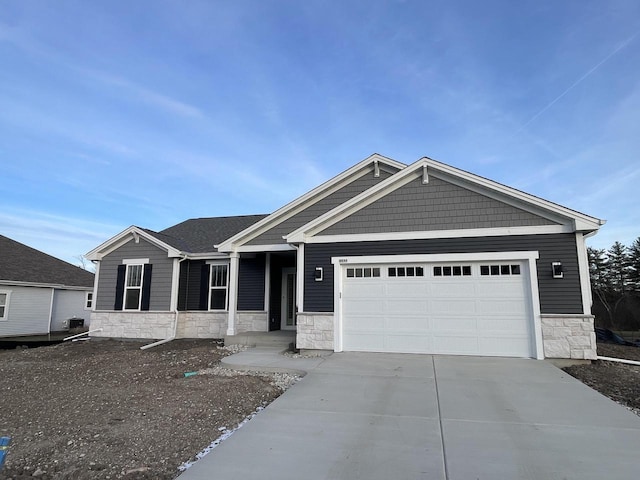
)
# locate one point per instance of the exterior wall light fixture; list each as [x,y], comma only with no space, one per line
[556,270]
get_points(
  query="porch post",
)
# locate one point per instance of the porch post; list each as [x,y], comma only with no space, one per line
[233,292]
[300,278]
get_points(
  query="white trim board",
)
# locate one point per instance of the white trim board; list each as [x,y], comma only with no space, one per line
[124,237]
[299,204]
[438,257]
[431,234]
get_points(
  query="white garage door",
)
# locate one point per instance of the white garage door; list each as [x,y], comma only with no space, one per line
[472,308]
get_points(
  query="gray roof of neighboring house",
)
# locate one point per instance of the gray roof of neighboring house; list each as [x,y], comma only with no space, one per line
[199,235]
[20,263]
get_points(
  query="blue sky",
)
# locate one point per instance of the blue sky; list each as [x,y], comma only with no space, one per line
[115,113]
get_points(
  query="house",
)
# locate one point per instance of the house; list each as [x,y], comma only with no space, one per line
[384,257]
[40,294]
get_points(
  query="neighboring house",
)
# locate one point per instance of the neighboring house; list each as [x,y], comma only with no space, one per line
[39,294]
[384,257]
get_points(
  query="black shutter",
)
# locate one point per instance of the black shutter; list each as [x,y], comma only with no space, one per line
[146,286]
[122,270]
[204,287]
[183,285]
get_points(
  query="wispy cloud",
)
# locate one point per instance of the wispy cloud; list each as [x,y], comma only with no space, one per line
[62,236]
[145,95]
[578,81]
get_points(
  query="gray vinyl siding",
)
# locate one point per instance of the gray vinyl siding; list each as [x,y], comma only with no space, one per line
[251,283]
[68,304]
[160,298]
[28,311]
[274,235]
[438,205]
[557,296]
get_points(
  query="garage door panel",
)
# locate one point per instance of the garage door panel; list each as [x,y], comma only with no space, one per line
[454,325]
[364,342]
[406,288]
[414,343]
[411,323]
[500,307]
[460,306]
[406,306]
[465,315]
[499,326]
[366,323]
[358,307]
[456,344]
[459,289]
[488,288]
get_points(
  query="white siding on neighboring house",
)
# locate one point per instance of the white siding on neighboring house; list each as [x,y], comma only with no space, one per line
[68,304]
[28,312]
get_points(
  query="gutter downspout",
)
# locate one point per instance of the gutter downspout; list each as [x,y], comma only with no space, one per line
[174,309]
[53,292]
[618,360]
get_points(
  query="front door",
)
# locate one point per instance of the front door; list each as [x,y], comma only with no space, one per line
[288,317]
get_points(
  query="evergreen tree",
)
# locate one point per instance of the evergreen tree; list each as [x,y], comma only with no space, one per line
[634,266]
[598,268]
[618,268]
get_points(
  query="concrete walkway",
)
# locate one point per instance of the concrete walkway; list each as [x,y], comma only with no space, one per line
[392,416]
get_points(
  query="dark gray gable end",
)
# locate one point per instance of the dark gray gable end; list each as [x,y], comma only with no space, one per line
[436,205]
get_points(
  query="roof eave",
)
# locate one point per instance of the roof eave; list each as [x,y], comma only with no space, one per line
[231,243]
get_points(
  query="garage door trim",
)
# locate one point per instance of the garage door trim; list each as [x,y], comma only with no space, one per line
[527,256]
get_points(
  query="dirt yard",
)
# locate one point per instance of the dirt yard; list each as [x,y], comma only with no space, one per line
[617,381]
[108,410]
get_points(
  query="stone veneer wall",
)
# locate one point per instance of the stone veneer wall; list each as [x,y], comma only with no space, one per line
[257,321]
[160,325]
[315,331]
[202,325]
[568,336]
[149,325]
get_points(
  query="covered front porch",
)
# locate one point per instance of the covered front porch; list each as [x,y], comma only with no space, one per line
[278,273]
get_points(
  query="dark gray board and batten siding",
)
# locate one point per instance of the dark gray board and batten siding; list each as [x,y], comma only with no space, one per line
[557,296]
[160,294]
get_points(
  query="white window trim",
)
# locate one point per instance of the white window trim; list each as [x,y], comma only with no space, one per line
[126,287]
[87,300]
[226,287]
[527,256]
[135,261]
[5,316]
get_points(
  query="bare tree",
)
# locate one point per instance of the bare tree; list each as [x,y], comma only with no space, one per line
[85,264]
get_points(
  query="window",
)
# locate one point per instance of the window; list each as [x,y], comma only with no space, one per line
[455,271]
[133,287]
[363,272]
[406,271]
[88,300]
[496,270]
[4,305]
[218,287]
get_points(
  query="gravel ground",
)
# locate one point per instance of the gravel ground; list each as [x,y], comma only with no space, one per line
[108,410]
[617,381]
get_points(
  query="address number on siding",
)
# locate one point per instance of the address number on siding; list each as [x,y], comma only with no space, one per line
[343,260]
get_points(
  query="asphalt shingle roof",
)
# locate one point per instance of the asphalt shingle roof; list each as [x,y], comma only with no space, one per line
[199,235]
[20,263]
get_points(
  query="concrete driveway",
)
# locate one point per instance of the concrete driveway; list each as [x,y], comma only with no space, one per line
[394,416]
